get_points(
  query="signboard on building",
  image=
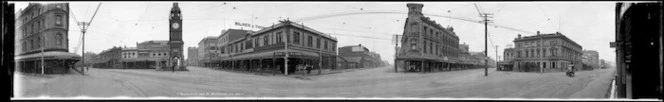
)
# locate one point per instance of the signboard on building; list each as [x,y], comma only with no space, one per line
[248,25]
[357,49]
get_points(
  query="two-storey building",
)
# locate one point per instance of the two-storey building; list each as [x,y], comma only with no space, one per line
[506,64]
[284,44]
[590,60]
[546,53]
[41,43]
[208,50]
[192,56]
[358,56]
[110,58]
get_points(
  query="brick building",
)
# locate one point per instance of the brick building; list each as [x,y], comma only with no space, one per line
[42,37]
[358,56]
[221,44]
[546,53]
[590,60]
[151,54]
[208,50]
[192,56]
[109,58]
[508,56]
[175,44]
[268,49]
[427,46]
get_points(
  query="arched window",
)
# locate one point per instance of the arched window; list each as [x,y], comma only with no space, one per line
[413,44]
[58,39]
[58,19]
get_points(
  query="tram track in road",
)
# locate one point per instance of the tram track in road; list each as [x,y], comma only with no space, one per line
[137,89]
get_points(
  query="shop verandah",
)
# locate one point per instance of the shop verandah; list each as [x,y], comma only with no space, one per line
[142,63]
[52,62]
[433,65]
[273,62]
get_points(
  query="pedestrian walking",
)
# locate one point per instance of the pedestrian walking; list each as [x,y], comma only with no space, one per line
[308,68]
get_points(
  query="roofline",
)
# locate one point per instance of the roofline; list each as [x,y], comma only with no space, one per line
[295,25]
[207,38]
[226,31]
[535,37]
[436,25]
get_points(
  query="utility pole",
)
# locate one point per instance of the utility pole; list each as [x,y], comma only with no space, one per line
[541,43]
[496,57]
[83,30]
[486,20]
[84,27]
[396,50]
[320,57]
[285,52]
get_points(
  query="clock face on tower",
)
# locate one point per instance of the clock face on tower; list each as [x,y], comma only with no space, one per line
[175,25]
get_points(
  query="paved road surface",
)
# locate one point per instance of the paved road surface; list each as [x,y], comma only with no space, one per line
[375,82]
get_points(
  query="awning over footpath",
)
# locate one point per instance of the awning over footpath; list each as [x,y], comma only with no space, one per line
[505,63]
[353,59]
[49,56]
[273,54]
[143,59]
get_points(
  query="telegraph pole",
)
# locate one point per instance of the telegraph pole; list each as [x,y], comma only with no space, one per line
[320,57]
[285,52]
[85,26]
[396,50]
[83,30]
[496,57]
[486,20]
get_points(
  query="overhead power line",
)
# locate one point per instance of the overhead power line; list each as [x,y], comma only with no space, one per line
[394,12]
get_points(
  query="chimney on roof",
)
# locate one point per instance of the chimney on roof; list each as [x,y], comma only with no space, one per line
[538,33]
[519,36]
[360,44]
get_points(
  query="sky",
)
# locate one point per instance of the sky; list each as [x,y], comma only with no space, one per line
[590,24]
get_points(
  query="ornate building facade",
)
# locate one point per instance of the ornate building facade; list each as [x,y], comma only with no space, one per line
[41,39]
[425,45]
[546,53]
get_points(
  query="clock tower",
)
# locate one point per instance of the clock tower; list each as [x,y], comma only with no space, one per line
[176,56]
